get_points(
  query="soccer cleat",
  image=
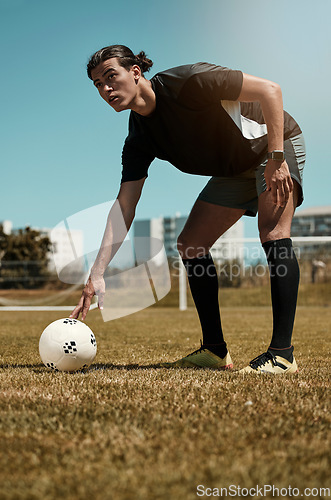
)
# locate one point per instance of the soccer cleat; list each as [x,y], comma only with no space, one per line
[202,358]
[268,363]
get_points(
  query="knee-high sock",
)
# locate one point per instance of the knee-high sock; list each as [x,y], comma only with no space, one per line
[284,280]
[203,281]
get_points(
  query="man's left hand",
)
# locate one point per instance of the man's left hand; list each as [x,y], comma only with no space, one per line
[279,182]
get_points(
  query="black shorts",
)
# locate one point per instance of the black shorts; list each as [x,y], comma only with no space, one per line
[243,190]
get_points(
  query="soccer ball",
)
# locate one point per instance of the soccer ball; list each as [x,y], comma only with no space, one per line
[67,345]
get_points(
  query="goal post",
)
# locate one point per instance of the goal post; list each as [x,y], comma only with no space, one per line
[182,286]
[313,251]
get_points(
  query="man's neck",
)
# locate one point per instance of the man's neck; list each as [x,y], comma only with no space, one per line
[145,103]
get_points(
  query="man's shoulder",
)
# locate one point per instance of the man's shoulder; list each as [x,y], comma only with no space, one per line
[172,81]
[186,70]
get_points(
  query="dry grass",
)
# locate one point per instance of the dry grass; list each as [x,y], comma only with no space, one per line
[127,430]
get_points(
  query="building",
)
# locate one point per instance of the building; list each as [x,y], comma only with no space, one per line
[66,246]
[314,221]
[7,226]
[167,229]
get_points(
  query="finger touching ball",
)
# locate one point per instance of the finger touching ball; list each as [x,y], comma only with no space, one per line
[67,345]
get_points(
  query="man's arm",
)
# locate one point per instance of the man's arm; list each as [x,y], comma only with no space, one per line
[269,95]
[123,210]
[119,222]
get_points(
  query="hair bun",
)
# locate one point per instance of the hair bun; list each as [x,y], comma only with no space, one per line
[143,61]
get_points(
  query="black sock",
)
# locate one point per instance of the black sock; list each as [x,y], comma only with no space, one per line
[286,353]
[219,349]
[203,281]
[284,280]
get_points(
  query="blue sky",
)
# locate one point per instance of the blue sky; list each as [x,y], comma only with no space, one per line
[61,144]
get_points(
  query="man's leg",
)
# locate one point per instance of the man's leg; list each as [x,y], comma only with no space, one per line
[275,230]
[205,224]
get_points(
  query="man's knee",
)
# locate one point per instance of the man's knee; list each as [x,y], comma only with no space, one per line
[188,248]
[270,232]
[273,228]
[185,246]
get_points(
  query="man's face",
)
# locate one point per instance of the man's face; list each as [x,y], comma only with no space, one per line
[116,85]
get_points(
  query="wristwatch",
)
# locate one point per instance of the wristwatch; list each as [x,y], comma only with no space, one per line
[277,155]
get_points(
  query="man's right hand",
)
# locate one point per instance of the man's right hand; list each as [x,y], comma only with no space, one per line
[94,286]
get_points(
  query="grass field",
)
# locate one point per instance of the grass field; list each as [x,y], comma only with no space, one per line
[127,430]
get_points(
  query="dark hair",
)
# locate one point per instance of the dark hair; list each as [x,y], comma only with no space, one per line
[125,57]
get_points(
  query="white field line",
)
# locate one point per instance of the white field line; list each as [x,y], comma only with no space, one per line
[43,308]
[296,239]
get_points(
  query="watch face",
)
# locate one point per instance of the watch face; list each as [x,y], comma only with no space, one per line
[277,155]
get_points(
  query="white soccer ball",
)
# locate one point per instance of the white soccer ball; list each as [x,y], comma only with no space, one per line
[67,345]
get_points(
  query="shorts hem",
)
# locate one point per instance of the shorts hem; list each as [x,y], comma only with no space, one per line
[250,212]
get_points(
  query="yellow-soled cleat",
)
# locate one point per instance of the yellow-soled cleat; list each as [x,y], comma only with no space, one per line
[268,363]
[202,358]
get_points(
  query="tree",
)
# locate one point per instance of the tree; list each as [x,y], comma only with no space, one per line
[23,258]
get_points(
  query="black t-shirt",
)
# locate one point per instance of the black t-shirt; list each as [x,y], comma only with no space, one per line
[197,126]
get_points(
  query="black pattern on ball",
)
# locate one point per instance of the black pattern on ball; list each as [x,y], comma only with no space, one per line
[69,348]
[69,321]
[52,366]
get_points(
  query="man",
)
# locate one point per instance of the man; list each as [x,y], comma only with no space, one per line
[210,120]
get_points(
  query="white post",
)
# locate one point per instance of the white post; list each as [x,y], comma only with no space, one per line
[182,286]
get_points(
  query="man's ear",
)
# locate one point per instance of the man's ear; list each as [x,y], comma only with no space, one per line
[136,72]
